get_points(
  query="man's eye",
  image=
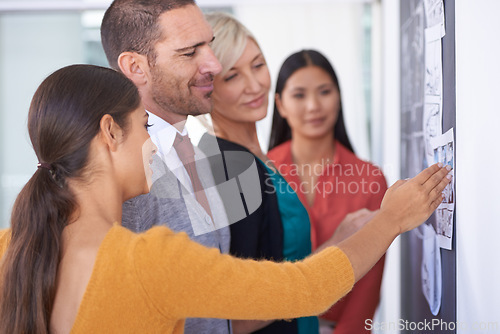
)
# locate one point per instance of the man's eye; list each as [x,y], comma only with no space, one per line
[190,54]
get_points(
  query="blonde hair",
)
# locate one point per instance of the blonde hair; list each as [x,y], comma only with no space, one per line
[231,38]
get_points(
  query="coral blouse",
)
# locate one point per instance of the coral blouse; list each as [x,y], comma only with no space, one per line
[345,185]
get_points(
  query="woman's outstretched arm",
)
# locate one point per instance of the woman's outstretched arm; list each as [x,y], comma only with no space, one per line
[406,204]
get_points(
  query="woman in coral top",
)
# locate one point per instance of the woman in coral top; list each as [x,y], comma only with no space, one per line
[67,265]
[310,147]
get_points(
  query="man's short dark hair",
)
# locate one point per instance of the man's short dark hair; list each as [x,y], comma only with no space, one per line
[132,25]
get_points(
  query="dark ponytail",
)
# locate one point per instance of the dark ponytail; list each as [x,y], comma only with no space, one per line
[64,117]
[30,266]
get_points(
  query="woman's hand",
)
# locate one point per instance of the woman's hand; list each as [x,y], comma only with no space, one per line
[406,204]
[351,223]
[410,202]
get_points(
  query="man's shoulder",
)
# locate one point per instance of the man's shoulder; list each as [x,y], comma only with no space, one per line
[205,325]
[142,212]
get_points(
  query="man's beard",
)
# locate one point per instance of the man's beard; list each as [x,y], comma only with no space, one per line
[168,95]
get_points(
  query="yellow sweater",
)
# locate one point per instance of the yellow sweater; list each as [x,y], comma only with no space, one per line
[151,282]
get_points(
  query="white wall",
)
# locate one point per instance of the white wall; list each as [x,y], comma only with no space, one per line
[387,122]
[478,161]
[31,47]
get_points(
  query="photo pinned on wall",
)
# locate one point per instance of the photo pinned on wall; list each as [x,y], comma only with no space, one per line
[444,152]
[434,14]
[433,69]
[433,90]
[432,127]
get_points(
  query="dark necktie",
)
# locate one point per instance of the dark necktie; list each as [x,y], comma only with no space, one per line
[185,151]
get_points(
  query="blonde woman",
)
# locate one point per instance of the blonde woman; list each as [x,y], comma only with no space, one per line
[280,228]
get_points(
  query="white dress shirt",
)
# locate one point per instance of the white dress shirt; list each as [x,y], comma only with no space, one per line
[163,135]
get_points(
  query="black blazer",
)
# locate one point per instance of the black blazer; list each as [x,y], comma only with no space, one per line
[260,234]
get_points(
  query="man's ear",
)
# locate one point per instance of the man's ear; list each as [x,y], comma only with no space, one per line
[135,67]
[110,133]
[279,105]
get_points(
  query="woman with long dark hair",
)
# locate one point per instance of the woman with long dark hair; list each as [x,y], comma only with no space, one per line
[57,220]
[67,264]
[311,148]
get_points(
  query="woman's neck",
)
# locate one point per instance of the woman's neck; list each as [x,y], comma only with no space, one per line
[313,150]
[244,134]
[99,206]
[315,153]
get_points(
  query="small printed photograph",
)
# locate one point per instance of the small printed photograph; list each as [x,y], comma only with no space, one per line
[432,128]
[433,69]
[445,216]
[449,154]
[438,154]
[434,12]
[444,152]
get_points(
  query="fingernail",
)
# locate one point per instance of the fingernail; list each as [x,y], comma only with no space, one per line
[440,164]
[448,177]
[448,167]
